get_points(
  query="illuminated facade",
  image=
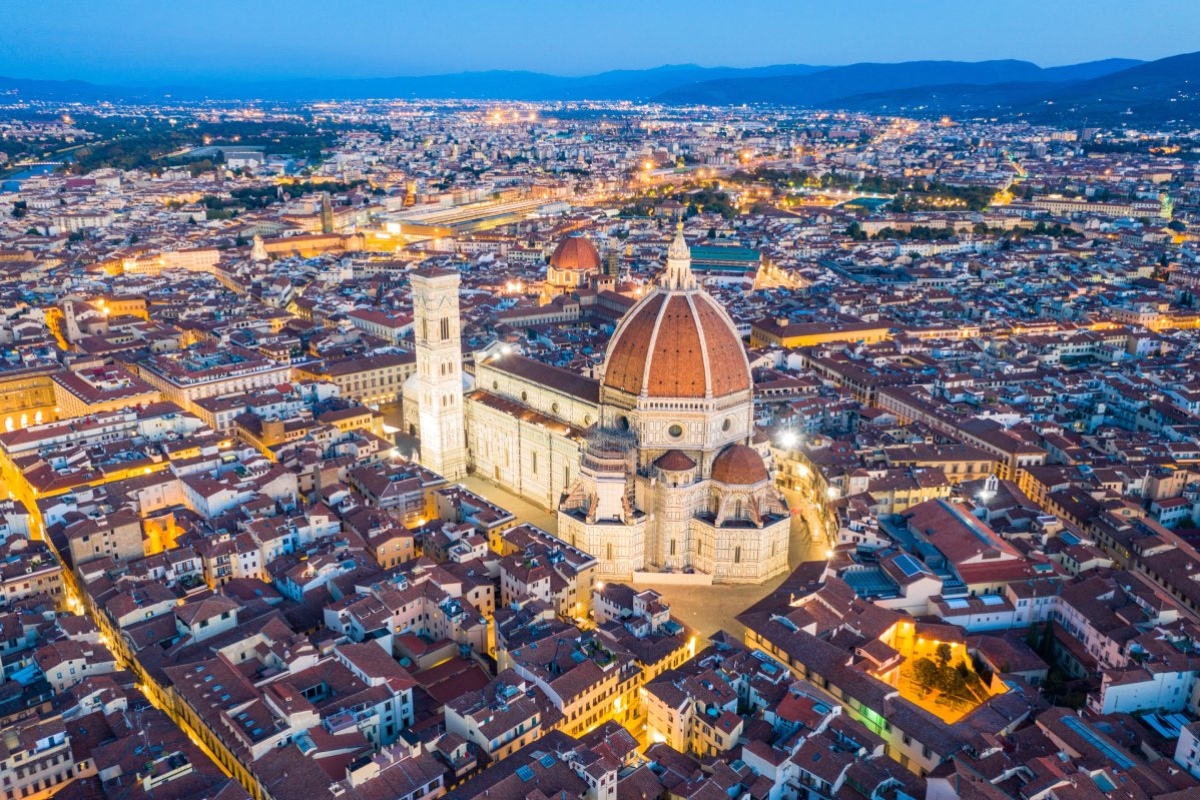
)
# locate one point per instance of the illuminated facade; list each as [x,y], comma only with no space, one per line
[667,480]
[439,372]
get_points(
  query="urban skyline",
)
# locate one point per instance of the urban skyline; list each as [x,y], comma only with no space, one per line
[807,432]
[156,44]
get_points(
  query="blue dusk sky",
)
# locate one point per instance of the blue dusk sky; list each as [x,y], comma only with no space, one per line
[156,42]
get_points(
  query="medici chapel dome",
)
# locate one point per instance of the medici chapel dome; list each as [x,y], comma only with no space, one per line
[575,253]
[677,342]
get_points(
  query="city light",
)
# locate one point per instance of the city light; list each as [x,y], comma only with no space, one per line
[540,396]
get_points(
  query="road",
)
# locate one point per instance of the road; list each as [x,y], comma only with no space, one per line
[524,510]
[707,609]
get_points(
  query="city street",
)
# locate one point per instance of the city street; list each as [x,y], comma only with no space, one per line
[524,510]
[707,609]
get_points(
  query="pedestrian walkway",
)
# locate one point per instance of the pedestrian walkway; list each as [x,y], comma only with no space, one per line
[522,509]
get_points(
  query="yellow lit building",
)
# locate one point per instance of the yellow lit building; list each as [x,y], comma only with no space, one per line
[27,397]
[784,333]
[94,390]
[372,380]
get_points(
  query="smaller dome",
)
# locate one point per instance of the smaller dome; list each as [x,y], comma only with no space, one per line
[576,253]
[675,461]
[739,465]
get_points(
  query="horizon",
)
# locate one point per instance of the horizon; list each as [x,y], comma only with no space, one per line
[164,45]
[235,82]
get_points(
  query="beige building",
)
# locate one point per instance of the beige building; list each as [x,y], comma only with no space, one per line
[78,393]
[117,536]
[372,380]
[210,371]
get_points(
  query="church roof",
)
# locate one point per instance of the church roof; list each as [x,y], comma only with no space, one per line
[739,465]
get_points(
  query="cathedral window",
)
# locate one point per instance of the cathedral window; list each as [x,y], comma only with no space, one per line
[445,328]
[608,552]
[672,547]
[737,555]
[533,463]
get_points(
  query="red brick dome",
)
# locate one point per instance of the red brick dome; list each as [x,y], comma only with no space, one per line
[677,344]
[576,253]
[739,465]
[675,461]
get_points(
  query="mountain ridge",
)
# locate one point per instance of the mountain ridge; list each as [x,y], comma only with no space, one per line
[877,77]
[668,80]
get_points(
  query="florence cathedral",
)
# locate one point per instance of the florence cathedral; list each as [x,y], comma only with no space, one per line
[651,468]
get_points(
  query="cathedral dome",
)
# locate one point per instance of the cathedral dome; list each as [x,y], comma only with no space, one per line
[677,344]
[675,461]
[739,465]
[576,253]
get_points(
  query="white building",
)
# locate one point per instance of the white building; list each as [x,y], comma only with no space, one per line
[651,467]
[668,480]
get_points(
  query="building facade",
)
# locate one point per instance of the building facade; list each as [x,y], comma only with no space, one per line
[439,372]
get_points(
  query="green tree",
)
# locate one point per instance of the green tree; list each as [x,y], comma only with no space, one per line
[925,673]
[943,652]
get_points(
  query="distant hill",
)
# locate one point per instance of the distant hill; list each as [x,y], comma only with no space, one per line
[1105,91]
[637,84]
[66,91]
[1088,69]
[506,84]
[954,99]
[1156,91]
[1150,92]
[834,83]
